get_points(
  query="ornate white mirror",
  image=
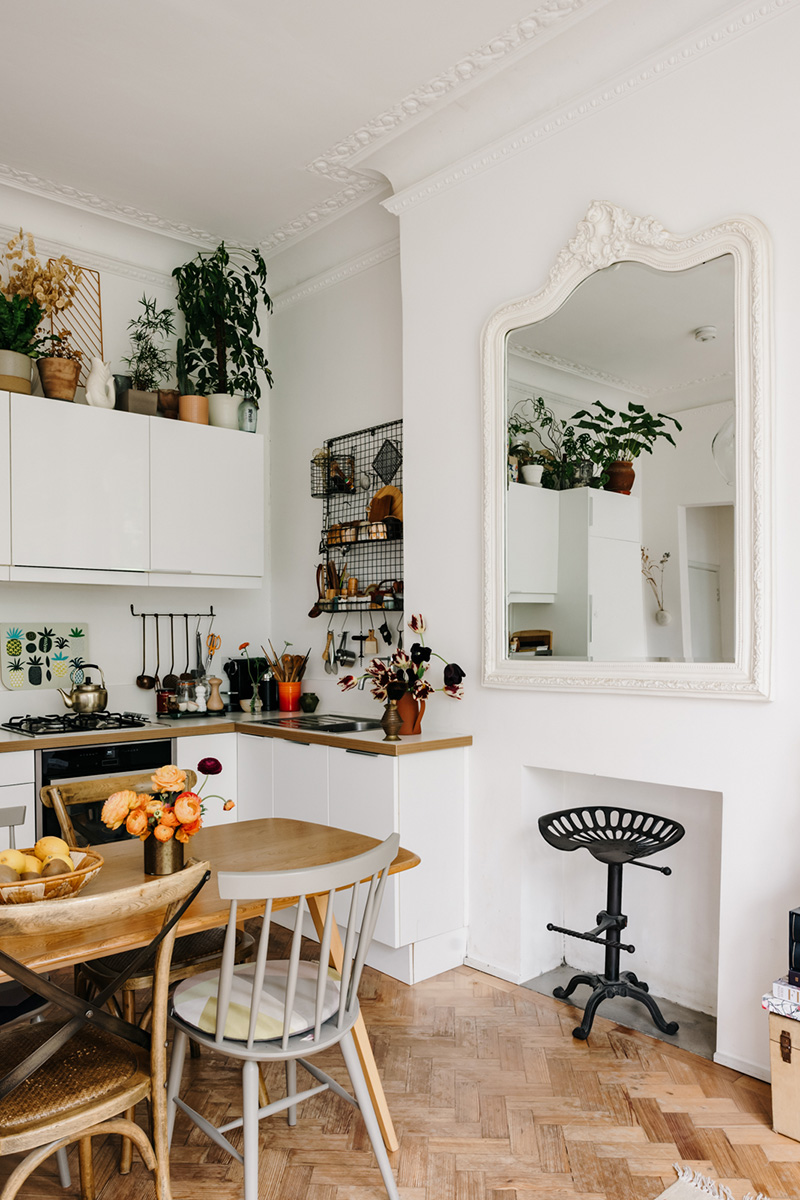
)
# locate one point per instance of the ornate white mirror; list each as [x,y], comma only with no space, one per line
[651,348]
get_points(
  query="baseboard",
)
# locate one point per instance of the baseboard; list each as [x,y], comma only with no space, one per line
[743,1066]
[491,969]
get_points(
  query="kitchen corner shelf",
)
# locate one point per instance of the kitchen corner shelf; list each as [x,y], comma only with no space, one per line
[346,475]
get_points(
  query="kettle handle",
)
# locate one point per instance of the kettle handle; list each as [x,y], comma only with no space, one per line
[94,667]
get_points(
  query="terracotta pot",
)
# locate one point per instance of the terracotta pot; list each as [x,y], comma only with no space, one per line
[168,402]
[162,858]
[15,372]
[621,477]
[59,377]
[193,408]
[411,712]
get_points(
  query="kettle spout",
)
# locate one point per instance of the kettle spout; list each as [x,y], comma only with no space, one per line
[65,696]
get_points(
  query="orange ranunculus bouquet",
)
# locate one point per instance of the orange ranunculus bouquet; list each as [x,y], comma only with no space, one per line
[169,811]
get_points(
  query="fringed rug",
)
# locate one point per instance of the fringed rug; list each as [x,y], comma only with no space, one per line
[692,1185]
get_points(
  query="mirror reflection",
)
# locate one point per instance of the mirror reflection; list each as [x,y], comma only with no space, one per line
[620,498]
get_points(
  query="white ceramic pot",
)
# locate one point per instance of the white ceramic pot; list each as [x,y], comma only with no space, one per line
[223,410]
[532,473]
[663,617]
[15,372]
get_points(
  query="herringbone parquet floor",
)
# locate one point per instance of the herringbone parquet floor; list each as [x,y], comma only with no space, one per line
[493,1100]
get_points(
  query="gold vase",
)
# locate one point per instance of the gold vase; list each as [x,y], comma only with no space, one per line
[391,722]
[162,858]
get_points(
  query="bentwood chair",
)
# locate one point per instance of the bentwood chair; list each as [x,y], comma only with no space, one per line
[72,1079]
[194,953]
[279,1010]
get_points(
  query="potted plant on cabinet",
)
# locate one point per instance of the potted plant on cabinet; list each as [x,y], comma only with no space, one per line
[621,437]
[149,364]
[567,457]
[29,292]
[219,293]
[60,368]
[191,406]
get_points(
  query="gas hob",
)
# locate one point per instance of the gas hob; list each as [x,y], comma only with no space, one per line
[74,723]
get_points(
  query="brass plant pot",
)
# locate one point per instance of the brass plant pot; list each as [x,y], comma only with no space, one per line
[162,858]
[59,377]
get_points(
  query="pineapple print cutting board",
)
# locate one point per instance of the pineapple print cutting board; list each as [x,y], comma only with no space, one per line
[42,656]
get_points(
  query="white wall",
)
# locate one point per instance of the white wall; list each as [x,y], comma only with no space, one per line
[469,249]
[130,261]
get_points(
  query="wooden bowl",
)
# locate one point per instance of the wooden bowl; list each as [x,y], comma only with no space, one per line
[55,887]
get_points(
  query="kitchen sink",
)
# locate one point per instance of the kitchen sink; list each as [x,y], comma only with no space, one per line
[322,723]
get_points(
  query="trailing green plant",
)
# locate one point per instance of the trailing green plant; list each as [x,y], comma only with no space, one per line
[219,293]
[561,451]
[622,436]
[149,362]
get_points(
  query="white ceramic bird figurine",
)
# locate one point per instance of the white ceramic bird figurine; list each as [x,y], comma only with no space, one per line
[100,385]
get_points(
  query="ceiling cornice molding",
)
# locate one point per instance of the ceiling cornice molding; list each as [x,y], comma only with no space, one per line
[336,163]
[708,38]
[45,247]
[25,181]
[359,189]
[345,270]
[615,381]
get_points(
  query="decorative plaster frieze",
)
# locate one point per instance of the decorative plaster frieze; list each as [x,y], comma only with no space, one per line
[126,213]
[679,55]
[336,162]
[359,188]
[616,381]
[96,262]
[345,270]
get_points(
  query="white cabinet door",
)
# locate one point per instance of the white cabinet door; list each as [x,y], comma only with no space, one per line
[532,540]
[300,781]
[254,764]
[616,622]
[5,481]
[363,797]
[194,469]
[223,747]
[79,486]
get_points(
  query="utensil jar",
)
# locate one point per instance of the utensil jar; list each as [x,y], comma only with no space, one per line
[289,696]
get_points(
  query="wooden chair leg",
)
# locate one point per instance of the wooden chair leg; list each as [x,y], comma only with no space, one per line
[87,1168]
[126,1150]
[263,1094]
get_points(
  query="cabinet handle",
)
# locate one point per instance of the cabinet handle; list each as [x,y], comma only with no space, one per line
[294,742]
[364,753]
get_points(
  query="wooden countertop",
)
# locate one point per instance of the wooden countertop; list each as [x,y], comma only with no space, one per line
[370,741]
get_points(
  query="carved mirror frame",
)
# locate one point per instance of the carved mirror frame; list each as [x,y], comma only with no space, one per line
[607,235]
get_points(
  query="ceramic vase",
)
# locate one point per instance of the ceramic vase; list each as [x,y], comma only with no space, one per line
[391,722]
[223,410]
[411,712]
[162,858]
[15,372]
[59,377]
[620,478]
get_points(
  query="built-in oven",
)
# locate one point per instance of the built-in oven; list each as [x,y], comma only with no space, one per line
[72,763]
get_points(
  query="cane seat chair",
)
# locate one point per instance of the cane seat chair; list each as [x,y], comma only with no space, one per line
[285,1010]
[72,1079]
[614,836]
[193,953]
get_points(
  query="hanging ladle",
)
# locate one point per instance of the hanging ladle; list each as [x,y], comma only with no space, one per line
[187,676]
[145,681]
[171,680]
[158,655]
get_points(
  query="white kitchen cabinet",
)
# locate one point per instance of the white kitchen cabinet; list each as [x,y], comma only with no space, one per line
[5,486]
[79,486]
[17,789]
[254,759]
[222,746]
[194,530]
[531,544]
[300,781]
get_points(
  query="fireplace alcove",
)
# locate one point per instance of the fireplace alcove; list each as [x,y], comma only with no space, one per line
[673,921]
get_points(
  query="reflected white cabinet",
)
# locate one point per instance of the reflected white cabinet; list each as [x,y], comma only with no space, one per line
[194,529]
[79,486]
[532,543]
[5,485]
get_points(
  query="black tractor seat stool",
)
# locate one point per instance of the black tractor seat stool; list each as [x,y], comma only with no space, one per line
[614,836]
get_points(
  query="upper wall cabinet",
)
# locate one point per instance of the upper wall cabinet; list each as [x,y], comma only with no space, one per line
[192,528]
[78,486]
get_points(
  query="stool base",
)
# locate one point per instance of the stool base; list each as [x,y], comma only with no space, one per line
[603,989]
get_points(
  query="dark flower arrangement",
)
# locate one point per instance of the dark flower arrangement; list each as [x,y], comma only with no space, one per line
[405,672]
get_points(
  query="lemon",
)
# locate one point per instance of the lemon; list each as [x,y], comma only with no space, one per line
[14,859]
[32,864]
[50,847]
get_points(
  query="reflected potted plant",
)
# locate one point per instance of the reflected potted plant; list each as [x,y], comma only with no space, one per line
[622,436]
[148,363]
[567,458]
[29,292]
[219,293]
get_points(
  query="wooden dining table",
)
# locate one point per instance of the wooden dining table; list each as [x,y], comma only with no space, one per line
[269,844]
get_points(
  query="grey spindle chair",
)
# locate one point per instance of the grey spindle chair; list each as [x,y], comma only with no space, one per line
[285,1010]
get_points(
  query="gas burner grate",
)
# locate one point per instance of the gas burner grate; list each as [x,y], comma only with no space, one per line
[29,726]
